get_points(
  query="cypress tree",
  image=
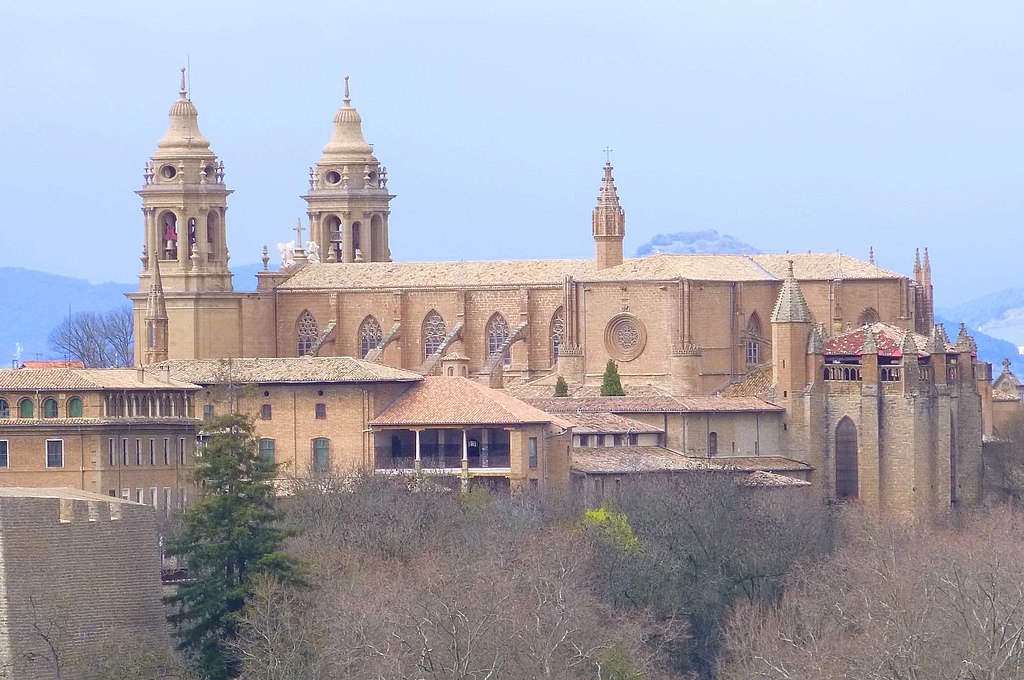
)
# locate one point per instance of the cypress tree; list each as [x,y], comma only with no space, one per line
[611,386]
[561,387]
[232,533]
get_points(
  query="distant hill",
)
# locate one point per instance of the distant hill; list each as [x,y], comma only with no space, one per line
[1000,314]
[708,242]
[990,349]
[36,302]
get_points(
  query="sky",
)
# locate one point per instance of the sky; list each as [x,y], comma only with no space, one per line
[789,124]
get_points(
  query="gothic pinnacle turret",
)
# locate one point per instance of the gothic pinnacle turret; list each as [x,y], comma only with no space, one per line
[156,319]
[609,222]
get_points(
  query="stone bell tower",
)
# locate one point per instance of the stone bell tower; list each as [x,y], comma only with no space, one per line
[184,201]
[609,221]
[185,307]
[348,195]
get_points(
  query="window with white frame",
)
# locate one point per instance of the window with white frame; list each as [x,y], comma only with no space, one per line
[4,460]
[54,453]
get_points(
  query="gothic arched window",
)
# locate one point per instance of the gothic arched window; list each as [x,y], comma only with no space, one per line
[557,332]
[434,332]
[753,339]
[306,333]
[498,334]
[868,316]
[370,336]
[847,485]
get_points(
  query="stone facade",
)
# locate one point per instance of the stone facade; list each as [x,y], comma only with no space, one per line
[118,432]
[81,569]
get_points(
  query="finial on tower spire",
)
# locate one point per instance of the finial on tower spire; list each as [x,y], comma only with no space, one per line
[348,99]
[871,255]
[182,91]
[608,155]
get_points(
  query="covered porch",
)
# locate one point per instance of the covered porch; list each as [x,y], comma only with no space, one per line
[478,450]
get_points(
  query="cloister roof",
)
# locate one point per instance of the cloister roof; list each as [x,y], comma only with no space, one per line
[306,369]
[87,379]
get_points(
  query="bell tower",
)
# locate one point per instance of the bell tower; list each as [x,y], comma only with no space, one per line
[609,222]
[184,202]
[348,195]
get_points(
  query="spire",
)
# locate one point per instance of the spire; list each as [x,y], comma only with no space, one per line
[609,222]
[964,341]
[927,268]
[908,347]
[871,255]
[347,144]
[917,265]
[869,346]
[156,308]
[791,307]
[183,136]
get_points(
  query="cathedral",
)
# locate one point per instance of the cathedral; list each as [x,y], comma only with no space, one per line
[845,350]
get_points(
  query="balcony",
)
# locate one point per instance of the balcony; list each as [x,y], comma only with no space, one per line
[478,452]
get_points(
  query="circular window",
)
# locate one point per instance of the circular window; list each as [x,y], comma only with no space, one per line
[319,393]
[266,394]
[625,337]
[168,172]
[332,177]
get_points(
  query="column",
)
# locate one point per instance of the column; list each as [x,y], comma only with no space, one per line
[443,463]
[465,460]
[418,463]
[347,253]
[484,444]
[367,237]
[181,224]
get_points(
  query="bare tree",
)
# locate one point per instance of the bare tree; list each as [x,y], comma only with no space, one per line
[97,339]
[895,602]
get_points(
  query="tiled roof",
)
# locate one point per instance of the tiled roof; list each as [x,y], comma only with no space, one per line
[363,275]
[757,383]
[52,422]
[662,404]
[790,306]
[625,459]
[88,379]
[764,463]
[888,339]
[770,480]
[59,492]
[441,400]
[587,422]
[52,364]
[306,369]
[544,387]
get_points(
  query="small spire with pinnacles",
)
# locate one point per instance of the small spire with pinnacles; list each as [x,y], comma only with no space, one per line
[348,97]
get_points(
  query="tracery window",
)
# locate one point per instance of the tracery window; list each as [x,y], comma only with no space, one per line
[847,485]
[867,317]
[434,332]
[753,340]
[370,336]
[306,332]
[557,332]
[498,334]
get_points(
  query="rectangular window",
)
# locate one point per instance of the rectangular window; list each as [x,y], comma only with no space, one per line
[182,499]
[54,453]
[140,496]
[154,497]
[4,462]
[321,454]
[600,440]
[124,452]
[181,451]
[126,493]
[266,412]
[533,452]
[110,452]
[633,439]
[167,451]
[321,411]
[584,440]
[152,452]
[267,450]
[168,500]
[112,493]
[207,411]
[138,452]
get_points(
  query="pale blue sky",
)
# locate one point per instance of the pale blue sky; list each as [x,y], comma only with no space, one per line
[790,124]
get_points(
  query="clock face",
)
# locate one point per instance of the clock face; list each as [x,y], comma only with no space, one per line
[332,177]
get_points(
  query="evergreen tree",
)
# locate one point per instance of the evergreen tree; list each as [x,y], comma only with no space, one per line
[611,386]
[230,535]
[561,387]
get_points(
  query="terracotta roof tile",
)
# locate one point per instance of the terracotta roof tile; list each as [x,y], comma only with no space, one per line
[586,422]
[764,463]
[888,340]
[374,275]
[52,364]
[84,380]
[757,383]
[443,400]
[662,404]
[770,480]
[625,459]
[285,370]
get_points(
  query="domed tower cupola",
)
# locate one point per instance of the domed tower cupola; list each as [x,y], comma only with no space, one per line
[348,197]
[184,201]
